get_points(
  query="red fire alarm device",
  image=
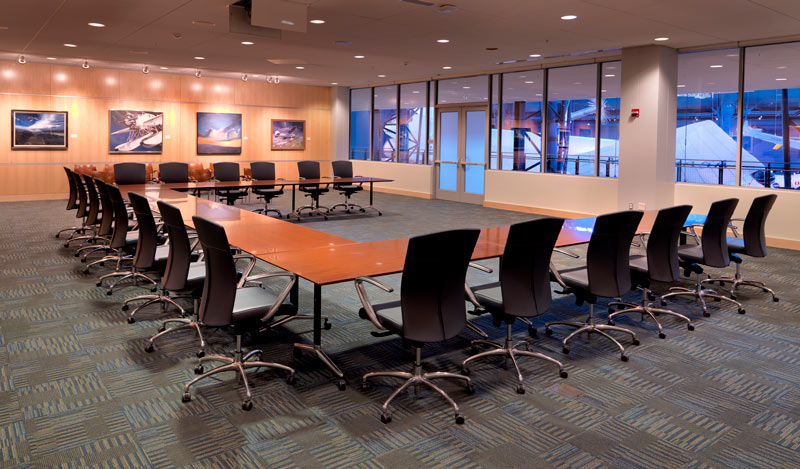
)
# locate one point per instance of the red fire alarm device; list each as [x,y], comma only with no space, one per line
[634,113]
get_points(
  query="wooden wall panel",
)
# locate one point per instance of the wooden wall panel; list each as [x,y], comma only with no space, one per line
[88,95]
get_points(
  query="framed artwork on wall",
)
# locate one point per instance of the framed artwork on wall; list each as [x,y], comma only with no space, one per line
[39,130]
[219,133]
[135,131]
[288,135]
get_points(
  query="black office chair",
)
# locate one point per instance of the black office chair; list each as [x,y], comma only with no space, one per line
[660,264]
[524,289]
[173,172]
[228,171]
[123,241]
[754,243]
[106,225]
[93,213]
[310,170]
[83,208]
[712,251]
[431,306]
[72,201]
[344,169]
[182,275]
[265,171]
[228,303]
[607,274]
[130,173]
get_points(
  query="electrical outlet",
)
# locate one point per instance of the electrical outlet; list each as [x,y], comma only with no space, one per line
[630,205]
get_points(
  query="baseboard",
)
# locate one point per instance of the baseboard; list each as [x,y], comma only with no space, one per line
[31,197]
[783,243]
[389,190]
[536,210]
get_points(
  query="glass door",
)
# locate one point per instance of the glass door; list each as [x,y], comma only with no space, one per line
[461,153]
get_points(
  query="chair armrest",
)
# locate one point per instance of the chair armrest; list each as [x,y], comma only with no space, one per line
[251,262]
[281,296]
[566,253]
[480,267]
[362,295]
[693,233]
[471,296]
[557,277]
[733,227]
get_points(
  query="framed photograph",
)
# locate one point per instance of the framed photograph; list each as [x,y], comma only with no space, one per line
[288,135]
[39,130]
[135,131]
[219,133]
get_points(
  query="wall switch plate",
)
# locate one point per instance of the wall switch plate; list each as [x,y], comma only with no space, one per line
[642,206]
[630,206]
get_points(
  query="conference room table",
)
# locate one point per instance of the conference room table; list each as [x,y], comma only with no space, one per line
[324,259]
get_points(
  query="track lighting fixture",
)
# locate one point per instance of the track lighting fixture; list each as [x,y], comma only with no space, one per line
[273,79]
[85,64]
[146,69]
[21,59]
[244,77]
[198,74]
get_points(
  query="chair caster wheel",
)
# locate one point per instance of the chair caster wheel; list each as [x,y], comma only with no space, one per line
[651,296]
[153,289]
[661,335]
[247,405]
[775,299]
[66,245]
[721,284]
[198,370]
[610,322]
[108,293]
[470,389]
[635,341]
[131,320]
[623,358]
[58,235]
[563,374]
[324,217]
[741,311]
[465,371]
[532,332]
[125,307]
[342,385]
[611,310]
[565,350]
[162,329]
[86,271]
[200,353]
[296,353]
[149,348]
[706,314]
[459,420]
[548,332]
[327,326]
[291,380]
[365,386]
[690,326]
[380,214]
[83,259]
[520,389]
[186,397]
[663,303]
[98,284]
[386,418]
[717,300]
[363,211]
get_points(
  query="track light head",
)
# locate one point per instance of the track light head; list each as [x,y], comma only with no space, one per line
[244,77]
[198,74]
[146,69]
[85,64]
[21,59]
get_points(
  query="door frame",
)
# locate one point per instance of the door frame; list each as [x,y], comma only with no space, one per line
[460,195]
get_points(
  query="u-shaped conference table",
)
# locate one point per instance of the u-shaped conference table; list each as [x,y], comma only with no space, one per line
[325,259]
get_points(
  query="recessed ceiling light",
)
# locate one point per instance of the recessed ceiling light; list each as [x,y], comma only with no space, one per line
[569,17]
[715,66]
[528,82]
[334,83]
[247,43]
[287,22]
[415,91]
[538,94]
[199,58]
[300,67]
[70,45]
[97,25]
[317,21]
[731,55]
[577,83]
[164,68]
[780,79]
[681,86]
[661,39]
[51,58]
[446,67]
[782,67]
[609,75]
[465,87]
[358,56]
[443,41]
[535,55]
[381,76]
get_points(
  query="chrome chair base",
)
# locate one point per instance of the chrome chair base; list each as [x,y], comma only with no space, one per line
[509,351]
[646,308]
[312,210]
[164,298]
[417,377]
[183,323]
[267,211]
[348,206]
[74,230]
[700,293]
[590,327]
[326,325]
[125,276]
[238,363]
[738,281]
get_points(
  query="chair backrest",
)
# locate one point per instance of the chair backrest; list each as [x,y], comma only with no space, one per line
[263,170]
[120,233]
[180,248]
[173,172]
[147,242]
[198,172]
[107,222]
[226,171]
[755,242]
[130,173]
[342,168]
[662,244]
[608,255]
[525,266]
[219,288]
[432,287]
[94,200]
[72,201]
[83,205]
[714,238]
[308,169]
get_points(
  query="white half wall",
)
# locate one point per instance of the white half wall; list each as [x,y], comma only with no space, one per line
[552,194]
[340,122]
[415,180]
[783,228]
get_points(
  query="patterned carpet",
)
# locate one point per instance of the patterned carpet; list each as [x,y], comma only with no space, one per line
[77,388]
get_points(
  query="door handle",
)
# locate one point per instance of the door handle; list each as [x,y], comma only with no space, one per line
[467,163]
[445,161]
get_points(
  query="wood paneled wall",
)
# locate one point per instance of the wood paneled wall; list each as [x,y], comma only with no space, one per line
[88,95]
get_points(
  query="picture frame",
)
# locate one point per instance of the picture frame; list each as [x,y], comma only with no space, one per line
[288,134]
[135,131]
[219,133]
[39,130]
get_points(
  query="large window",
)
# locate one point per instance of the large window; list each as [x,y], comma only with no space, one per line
[412,125]
[521,124]
[608,166]
[706,146]
[571,119]
[464,90]
[494,113]
[384,123]
[771,110]
[359,123]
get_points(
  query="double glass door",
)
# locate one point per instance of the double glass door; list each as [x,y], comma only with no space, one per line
[461,153]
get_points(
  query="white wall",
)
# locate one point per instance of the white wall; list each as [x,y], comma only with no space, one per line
[408,179]
[340,122]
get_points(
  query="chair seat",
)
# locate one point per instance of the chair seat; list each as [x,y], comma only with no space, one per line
[348,187]
[691,253]
[390,315]
[736,245]
[638,264]
[576,277]
[230,192]
[490,296]
[252,303]
[267,191]
[314,190]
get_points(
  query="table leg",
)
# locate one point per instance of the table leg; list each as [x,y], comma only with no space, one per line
[316,347]
[294,296]
[370,200]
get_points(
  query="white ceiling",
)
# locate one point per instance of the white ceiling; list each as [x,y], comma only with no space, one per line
[397,38]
